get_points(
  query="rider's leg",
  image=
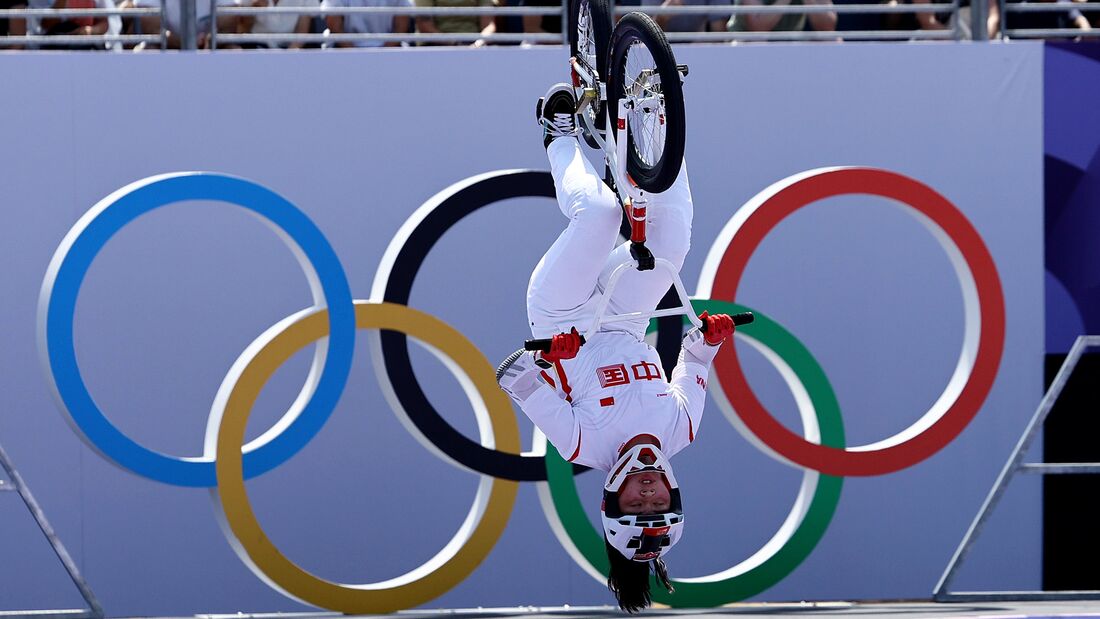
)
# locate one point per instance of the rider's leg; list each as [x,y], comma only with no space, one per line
[562,289]
[668,236]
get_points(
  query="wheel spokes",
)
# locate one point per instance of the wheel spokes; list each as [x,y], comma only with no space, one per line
[586,43]
[643,91]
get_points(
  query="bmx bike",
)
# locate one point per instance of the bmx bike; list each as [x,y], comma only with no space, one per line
[630,106]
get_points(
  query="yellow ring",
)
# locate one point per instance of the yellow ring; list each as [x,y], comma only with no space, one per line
[455,562]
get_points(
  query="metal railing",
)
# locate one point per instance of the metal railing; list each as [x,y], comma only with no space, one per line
[952,8]
[1020,8]
[189,31]
[954,32]
[327,38]
[94,610]
[1014,466]
[35,40]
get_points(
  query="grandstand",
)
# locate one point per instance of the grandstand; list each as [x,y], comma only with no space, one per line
[143,25]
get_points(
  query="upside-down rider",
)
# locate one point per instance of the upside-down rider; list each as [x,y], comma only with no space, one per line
[608,404]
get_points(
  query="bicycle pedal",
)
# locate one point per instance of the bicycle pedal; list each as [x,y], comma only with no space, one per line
[683,69]
[588,97]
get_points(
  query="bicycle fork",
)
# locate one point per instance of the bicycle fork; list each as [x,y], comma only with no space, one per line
[634,202]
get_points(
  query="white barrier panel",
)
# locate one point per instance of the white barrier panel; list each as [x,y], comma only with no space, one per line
[358,141]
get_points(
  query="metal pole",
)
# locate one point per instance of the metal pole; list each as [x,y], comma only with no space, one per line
[565,23]
[1002,19]
[979,15]
[956,23]
[941,592]
[163,25]
[51,536]
[214,25]
[188,35]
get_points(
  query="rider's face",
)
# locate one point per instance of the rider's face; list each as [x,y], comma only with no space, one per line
[644,493]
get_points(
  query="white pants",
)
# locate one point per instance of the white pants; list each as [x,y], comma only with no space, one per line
[570,280]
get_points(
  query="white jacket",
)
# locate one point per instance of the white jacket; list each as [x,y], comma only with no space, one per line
[615,390]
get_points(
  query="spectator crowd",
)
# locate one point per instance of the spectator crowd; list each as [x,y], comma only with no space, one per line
[474,28]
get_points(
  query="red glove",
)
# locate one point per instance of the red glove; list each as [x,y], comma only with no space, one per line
[564,346]
[717,327]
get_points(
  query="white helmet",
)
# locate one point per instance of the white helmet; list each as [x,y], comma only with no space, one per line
[641,537]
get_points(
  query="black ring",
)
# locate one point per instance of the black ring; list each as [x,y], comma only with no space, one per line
[452,204]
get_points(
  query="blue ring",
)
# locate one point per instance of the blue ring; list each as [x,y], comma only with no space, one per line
[75,255]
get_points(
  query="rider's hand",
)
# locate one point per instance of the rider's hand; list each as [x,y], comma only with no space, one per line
[563,346]
[717,327]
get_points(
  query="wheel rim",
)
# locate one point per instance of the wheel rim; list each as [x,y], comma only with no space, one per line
[586,43]
[586,52]
[646,113]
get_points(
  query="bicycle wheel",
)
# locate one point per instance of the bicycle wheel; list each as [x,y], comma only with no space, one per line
[643,71]
[589,34]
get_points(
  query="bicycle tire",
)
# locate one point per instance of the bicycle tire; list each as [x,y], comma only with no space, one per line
[635,28]
[599,31]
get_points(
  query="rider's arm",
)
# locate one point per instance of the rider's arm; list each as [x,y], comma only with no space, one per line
[689,385]
[522,379]
[556,419]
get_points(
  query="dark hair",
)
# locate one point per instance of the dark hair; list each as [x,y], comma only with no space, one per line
[629,580]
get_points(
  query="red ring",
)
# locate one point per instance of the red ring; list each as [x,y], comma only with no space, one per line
[918,196]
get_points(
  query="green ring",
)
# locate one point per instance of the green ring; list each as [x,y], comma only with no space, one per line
[586,545]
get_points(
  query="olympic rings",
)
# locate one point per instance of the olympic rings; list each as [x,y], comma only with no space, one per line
[821,453]
[983,302]
[796,537]
[71,261]
[393,283]
[476,537]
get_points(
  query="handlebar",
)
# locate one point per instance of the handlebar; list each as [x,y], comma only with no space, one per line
[743,318]
[543,345]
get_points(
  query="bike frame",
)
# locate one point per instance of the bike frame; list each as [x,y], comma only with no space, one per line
[683,309]
[614,151]
[631,196]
